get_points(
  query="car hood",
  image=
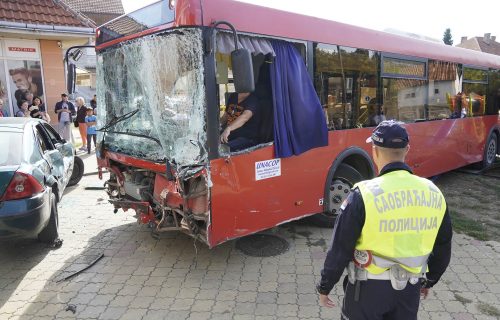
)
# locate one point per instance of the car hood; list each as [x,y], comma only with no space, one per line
[6,174]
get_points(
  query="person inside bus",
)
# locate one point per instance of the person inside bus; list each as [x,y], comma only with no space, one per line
[241,121]
[375,113]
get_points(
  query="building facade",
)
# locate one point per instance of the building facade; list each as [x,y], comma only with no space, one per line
[33,36]
[487,44]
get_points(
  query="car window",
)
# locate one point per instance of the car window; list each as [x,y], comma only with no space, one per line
[13,143]
[54,136]
[43,138]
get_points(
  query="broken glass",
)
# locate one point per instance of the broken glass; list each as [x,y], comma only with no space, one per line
[161,75]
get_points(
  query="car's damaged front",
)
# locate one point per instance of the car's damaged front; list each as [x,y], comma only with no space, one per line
[152,130]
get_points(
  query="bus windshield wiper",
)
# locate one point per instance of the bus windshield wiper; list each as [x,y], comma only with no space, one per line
[118,119]
[135,135]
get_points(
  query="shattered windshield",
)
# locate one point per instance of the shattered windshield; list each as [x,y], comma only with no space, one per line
[161,76]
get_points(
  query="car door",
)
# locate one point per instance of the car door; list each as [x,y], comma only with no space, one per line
[41,161]
[51,154]
[66,151]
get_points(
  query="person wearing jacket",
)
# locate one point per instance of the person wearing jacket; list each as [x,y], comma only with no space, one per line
[65,111]
[393,236]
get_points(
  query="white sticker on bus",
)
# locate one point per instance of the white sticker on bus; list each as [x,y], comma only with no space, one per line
[267,169]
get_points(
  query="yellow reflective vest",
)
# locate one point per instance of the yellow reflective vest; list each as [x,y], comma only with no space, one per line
[403,216]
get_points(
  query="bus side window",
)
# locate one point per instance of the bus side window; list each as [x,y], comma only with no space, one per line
[346,82]
[442,90]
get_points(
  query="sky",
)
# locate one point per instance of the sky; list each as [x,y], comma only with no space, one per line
[424,17]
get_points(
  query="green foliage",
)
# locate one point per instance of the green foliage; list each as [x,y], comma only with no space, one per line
[447,39]
[469,226]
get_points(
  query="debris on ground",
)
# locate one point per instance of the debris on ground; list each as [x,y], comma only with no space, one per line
[71,307]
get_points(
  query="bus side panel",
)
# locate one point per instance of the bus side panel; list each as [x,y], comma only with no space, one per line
[444,145]
[241,205]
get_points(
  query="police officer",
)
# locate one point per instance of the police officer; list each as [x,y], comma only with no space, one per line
[393,236]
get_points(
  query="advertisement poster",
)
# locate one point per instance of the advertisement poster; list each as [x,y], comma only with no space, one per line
[4,107]
[26,81]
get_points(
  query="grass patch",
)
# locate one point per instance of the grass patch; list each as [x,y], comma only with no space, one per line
[488,310]
[461,299]
[468,226]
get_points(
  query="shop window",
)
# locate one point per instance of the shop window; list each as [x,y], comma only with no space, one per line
[26,77]
[346,82]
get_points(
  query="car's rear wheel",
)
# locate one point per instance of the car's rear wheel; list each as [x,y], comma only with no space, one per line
[340,185]
[51,232]
[78,169]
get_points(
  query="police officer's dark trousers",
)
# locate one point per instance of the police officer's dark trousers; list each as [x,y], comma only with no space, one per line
[378,300]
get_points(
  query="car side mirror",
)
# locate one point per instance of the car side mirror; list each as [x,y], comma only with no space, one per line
[242,66]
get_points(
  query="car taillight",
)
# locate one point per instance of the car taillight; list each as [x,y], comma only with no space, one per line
[22,186]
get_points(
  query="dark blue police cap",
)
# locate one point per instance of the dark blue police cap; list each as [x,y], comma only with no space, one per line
[390,134]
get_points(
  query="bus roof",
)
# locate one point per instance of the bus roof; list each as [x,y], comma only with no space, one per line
[276,23]
[257,19]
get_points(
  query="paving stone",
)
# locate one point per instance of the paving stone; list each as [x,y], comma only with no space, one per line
[141,302]
[141,278]
[263,309]
[112,313]
[92,312]
[134,314]
[199,316]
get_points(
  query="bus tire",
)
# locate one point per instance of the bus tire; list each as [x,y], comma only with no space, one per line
[490,151]
[344,178]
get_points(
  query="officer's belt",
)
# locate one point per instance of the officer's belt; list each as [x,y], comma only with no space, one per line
[398,276]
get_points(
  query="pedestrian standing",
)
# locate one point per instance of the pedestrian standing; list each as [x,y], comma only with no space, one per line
[81,113]
[38,103]
[91,121]
[93,103]
[393,235]
[65,110]
[23,109]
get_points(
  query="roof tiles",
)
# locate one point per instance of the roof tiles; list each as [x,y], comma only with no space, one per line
[478,44]
[47,12]
[97,6]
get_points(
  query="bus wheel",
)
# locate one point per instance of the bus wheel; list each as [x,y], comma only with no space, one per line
[340,185]
[490,151]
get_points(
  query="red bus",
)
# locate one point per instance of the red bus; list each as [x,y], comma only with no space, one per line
[164,75]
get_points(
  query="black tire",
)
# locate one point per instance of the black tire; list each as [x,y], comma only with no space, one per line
[51,232]
[78,169]
[490,151]
[344,178]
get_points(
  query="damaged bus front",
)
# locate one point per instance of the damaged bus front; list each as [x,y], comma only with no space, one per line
[152,136]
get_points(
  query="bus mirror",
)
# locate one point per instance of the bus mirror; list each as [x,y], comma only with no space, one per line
[71,78]
[242,70]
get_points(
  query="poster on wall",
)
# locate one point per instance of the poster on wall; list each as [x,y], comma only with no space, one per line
[4,96]
[26,81]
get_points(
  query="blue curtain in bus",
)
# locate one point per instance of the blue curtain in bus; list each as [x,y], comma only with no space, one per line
[299,121]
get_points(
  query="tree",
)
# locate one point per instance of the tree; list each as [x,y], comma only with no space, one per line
[447,39]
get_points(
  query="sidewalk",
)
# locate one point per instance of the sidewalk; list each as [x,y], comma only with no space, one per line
[89,160]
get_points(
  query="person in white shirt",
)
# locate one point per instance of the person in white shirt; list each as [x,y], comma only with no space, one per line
[65,110]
